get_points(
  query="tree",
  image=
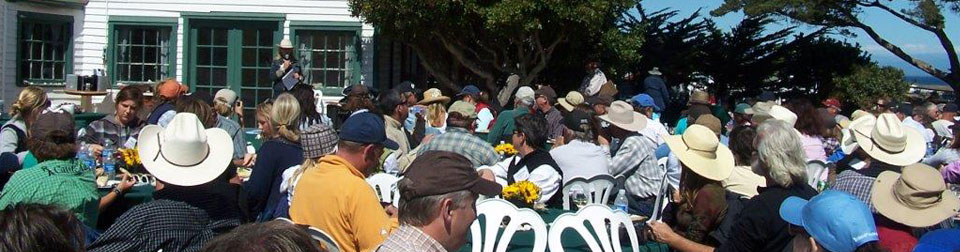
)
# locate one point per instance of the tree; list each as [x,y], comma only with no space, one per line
[804,72]
[926,15]
[870,82]
[743,61]
[488,38]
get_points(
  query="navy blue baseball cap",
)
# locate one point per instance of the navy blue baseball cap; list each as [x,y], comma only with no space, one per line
[470,90]
[367,128]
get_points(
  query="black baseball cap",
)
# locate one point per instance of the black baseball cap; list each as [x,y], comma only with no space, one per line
[575,119]
[950,108]
[440,172]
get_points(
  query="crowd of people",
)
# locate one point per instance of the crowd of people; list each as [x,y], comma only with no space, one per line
[761,175]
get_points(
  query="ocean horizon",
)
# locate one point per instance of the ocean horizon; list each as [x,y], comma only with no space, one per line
[924,80]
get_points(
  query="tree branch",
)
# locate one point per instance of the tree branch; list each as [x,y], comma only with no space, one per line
[460,57]
[876,3]
[896,50]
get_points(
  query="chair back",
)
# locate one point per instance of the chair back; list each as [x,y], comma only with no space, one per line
[816,172]
[385,185]
[495,211]
[597,216]
[598,189]
[326,241]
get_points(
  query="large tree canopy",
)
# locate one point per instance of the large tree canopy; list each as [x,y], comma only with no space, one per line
[926,15]
[488,38]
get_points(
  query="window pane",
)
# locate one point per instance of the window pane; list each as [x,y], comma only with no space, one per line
[220,37]
[264,94]
[249,57]
[220,56]
[150,36]
[219,77]
[136,54]
[149,73]
[137,36]
[204,36]
[249,77]
[264,78]
[249,37]
[266,38]
[136,72]
[203,76]
[203,56]
[266,57]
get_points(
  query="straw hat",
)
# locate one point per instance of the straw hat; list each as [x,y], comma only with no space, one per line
[286,44]
[767,111]
[699,97]
[847,142]
[184,153]
[917,197]
[433,95]
[890,142]
[573,99]
[655,71]
[700,151]
[621,114]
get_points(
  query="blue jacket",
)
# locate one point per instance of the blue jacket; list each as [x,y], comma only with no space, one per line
[656,88]
[263,188]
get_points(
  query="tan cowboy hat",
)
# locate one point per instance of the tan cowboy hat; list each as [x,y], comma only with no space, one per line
[573,99]
[621,114]
[918,197]
[699,97]
[847,142]
[433,95]
[890,142]
[767,111]
[184,153]
[858,113]
[286,44]
[700,151]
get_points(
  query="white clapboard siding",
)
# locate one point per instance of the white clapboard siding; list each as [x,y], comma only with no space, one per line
[91,28]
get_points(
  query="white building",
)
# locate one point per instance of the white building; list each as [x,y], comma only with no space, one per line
[206,44]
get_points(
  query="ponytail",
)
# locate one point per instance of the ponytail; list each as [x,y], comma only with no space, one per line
[284,114]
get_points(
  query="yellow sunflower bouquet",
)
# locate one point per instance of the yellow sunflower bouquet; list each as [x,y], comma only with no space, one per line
[522,193]
[505,149]
[130,158]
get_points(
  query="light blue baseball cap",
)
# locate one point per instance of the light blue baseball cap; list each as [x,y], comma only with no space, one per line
[837,220]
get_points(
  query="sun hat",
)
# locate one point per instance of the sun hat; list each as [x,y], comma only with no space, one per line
[547,91]
[700,150]
[711,122]
[184,153]
[838,231]
[941,240]
[621,114]
[743,109]
[226,96]
[524,92]
[433,95]
[469,90]
[441,172]
[655,71]
[848,143]
[783,114]
[366,128]
[858,113]
[889,141]
[699,97]
[573,99]
[600,100]
[286,44]
[644,100]
[464,108]
[318,140]
[831,102]
[918,197]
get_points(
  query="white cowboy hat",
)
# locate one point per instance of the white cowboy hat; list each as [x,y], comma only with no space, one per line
[621,114]
[890,142]
[918,197]
[286,44]
[655,71]
[184,153]
[767,111]
[700,151]
[847,142]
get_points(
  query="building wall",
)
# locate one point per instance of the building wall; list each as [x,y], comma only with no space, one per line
[91,28]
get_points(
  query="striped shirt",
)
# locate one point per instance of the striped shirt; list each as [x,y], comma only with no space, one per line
[637,156]
[108,128]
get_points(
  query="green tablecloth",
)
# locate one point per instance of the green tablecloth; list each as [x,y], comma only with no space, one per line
[137,195]
[572,241]
[251,136]
[81,119]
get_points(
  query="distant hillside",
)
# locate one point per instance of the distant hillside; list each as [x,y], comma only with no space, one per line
[924,80]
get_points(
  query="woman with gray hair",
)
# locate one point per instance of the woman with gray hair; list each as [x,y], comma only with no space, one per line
[759,226]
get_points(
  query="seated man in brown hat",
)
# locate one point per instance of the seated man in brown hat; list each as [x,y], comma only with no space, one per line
[635,156]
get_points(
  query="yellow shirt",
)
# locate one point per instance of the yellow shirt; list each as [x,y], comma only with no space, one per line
[335,198]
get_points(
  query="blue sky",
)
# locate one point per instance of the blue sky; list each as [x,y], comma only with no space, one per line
[916,42]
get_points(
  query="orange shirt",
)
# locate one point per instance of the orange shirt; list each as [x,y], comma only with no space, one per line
[334,197]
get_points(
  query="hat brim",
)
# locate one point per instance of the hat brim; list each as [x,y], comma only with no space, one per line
[485,187]
[220,147]
[639,122]
[430,100]
[716,169]
[791,208]
[887,204]
[913,152]
[566,105]
[390,144]
[651,72]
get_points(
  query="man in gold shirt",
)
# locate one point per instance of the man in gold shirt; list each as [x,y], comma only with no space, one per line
[333,195]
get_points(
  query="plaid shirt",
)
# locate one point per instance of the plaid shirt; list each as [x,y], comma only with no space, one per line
[460,141]
[66,183]
[856,184]
[636,158]
[162,224]
[410,239]
[109,128]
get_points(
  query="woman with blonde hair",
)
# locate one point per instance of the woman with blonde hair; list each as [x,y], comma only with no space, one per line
[436,114]
[277,154]
[29,104]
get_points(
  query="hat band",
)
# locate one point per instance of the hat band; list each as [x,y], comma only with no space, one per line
[888,145]
[926,200]
[160,154]
[702,153]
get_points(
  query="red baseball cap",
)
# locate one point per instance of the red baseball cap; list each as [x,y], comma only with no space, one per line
[832,103]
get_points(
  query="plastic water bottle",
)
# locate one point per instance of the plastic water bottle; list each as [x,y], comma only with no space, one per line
[109,164]
[250,149]
[84,156]
[621,202]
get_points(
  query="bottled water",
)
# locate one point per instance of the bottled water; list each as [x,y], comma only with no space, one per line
[621,202]
[109,163]
[84,156]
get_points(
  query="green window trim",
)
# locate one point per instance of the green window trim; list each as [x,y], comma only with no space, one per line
[189,67]
[356,66]
[24,17]
[133,21]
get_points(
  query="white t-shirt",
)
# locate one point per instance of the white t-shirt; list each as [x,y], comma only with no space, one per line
[581,159]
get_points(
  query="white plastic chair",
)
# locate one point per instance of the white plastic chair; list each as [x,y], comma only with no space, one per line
[597,189]
[385,185]
[816,172]
[495,211]
[597,216]
[325,239]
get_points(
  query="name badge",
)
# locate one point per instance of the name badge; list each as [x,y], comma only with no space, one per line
[521,175]
[131,143]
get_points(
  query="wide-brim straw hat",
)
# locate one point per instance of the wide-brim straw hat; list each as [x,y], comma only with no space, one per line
[434,95]
[918,197]
[848,143]
[571,101]
[184,153]
[621,114]
[655,71]
[286,44]
[889,141]
[701,152]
